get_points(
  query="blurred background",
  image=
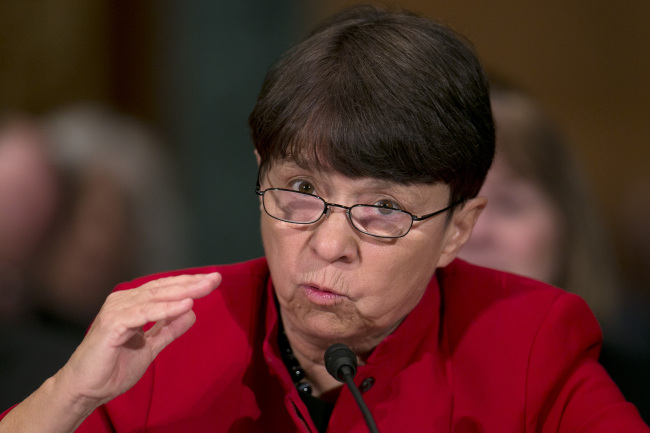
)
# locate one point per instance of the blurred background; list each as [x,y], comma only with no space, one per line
[181,78]
[192,71]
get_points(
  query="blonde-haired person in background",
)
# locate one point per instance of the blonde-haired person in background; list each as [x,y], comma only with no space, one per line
[124,216]
[108,210]
[541,221]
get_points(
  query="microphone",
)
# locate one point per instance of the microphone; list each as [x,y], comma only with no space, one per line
[341,363]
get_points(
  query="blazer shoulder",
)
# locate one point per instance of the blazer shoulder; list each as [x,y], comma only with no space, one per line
[480,287]
[473,295]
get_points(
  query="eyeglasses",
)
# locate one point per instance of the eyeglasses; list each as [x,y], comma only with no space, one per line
[302,208]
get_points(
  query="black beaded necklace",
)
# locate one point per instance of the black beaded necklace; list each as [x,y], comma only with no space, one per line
[319,410]
[296,371]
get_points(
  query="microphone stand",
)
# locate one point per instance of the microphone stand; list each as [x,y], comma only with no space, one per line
[341,363]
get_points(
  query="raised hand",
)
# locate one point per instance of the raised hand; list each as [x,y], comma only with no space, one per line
[116,351]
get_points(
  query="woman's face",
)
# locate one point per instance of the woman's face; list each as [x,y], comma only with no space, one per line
[520,230]
[334,283]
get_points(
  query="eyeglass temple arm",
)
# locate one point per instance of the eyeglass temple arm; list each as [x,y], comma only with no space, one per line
[423,217]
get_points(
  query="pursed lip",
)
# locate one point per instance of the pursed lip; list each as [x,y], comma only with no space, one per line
[321,288]
[320,294]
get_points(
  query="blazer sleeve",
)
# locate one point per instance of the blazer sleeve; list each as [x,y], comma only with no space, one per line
[567,390]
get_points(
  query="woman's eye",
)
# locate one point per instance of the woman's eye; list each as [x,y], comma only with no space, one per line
[387,204]
[303,186]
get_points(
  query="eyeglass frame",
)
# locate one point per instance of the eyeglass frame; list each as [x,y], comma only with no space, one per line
[348,209]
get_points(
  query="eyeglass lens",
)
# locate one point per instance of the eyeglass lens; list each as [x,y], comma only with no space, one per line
[296,207]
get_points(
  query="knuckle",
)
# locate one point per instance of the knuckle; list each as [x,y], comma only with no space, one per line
[154,290]
[112,298]
[143,310]
[110,305]
[106,318]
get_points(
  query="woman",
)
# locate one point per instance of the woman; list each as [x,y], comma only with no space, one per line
[541,221]
[373,137]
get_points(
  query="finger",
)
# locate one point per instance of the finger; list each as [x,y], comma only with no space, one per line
[165,291]
[126,322]
[168,330]
[126,311]
[167,299]
[180,287]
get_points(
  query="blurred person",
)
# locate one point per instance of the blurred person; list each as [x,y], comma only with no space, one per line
[373,137]
[124,214]
[88,198]
[541,221]
[635,250]
[29,198]
[635,232]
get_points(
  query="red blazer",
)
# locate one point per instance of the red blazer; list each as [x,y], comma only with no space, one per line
[484,351]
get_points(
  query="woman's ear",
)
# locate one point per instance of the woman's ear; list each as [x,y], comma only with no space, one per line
[258,159]
[460,228]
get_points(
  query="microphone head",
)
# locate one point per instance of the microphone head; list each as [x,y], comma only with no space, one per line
[340,361]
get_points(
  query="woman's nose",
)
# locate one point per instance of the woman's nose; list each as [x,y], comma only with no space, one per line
[334,238]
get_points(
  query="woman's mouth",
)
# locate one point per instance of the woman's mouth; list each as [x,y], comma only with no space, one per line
[321,296]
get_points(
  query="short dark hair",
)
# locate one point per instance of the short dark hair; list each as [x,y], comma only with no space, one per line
[376,93]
